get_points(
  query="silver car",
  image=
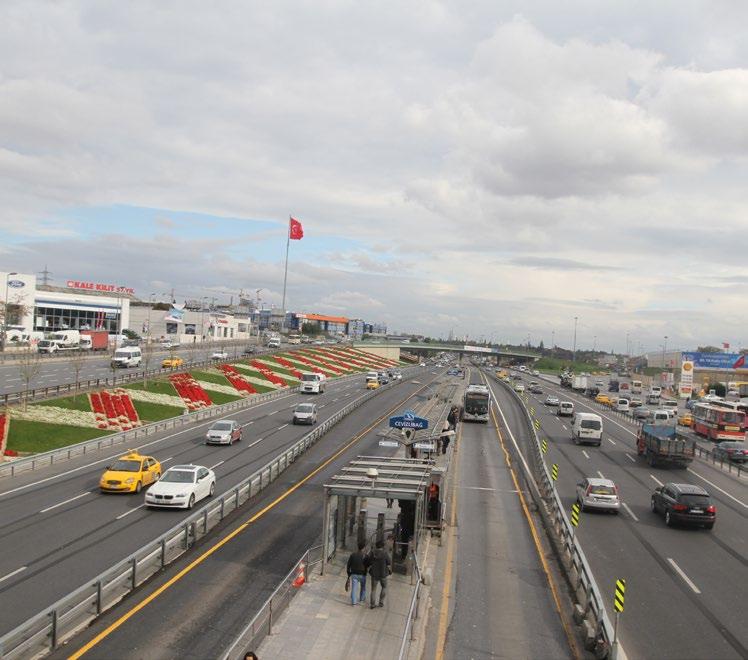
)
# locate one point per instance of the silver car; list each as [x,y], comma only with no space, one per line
[224,432]
[305,413]
[596,493]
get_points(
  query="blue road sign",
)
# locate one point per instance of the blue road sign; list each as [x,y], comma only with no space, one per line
[408,420]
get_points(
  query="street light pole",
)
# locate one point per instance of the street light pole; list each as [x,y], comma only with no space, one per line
[151,300]
[574,350]
[664,349]
[5,308]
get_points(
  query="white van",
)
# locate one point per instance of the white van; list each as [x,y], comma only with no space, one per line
[372,375]
[127,357]
[565,408]
[274,342]
[313,383]
[623,405]
[587,427]
[669,404]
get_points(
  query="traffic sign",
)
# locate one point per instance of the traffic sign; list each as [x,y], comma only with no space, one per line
[427,446]
[389,443]
[409,420]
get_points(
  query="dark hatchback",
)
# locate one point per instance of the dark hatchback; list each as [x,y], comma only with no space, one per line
[684,503]
[731,451]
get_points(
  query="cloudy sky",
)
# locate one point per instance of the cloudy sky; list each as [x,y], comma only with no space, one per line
[491,168]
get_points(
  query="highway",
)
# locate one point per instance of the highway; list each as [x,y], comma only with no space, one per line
[198,614]
[685,587]
[59,530]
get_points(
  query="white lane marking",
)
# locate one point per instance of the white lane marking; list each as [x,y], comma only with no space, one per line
[16,572]
[686,579]
[72,499]
[127,513]
[600,474]
[630,512]
[611,441]
[322,405]
[334,400]
[213,467]
[248,423]
[273,413]
[256,442]
[656,480]
[631,458]
[564,425]
[282,426]
[713,485]
[586,455]
[481,488]
[166,459]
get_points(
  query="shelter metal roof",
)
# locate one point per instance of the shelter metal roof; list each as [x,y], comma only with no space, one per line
[401,478]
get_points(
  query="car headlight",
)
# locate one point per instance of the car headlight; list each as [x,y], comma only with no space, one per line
[130,480]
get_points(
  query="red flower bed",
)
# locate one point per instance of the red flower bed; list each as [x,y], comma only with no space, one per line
[288,365]
[191,393]
[4,424]
[98,409]
[235,378]
[265,371]
[311,364]
[325,363]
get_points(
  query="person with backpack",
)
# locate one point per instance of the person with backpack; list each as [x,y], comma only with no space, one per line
[356,570]
[379,568]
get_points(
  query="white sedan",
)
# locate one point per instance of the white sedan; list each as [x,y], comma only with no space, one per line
[219,355]
[181,486]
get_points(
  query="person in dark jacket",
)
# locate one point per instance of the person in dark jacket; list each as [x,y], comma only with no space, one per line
[356,570]
[379,568]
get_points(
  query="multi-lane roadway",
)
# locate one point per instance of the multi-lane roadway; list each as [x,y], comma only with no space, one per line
[685,587]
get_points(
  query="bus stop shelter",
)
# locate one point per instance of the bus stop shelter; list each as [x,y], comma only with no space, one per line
[372,477]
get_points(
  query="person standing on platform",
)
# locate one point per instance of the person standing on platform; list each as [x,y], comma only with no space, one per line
[379,568]
[356,570]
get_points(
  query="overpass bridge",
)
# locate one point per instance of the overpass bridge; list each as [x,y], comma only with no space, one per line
[391,349]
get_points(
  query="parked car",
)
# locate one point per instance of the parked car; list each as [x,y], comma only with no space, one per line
[224,432]
[305,413]
[219,355]
[171,362]
[731,451]
[551,400]
[684,503]
[181,486]
[596,493]
[130,473]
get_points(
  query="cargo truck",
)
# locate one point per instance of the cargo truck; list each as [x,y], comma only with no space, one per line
[579,383]
[662,445]
[94,340]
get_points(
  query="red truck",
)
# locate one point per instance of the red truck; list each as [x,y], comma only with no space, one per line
[94,340]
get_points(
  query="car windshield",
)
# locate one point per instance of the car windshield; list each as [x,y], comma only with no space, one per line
[221,426]
[305,408]
[602,489]
[309,377]
[691,499]
[124,465]
[591,424]
[179,477]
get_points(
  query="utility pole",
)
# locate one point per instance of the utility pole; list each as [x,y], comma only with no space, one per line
[574,350]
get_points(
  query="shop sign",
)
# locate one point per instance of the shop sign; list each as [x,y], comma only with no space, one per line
[97,286]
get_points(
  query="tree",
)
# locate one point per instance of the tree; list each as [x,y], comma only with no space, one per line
[29,367]
[709,349]
[310,328]
[77,361]
[147,353]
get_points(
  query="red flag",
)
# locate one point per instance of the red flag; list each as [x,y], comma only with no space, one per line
[295,230]
[725,345]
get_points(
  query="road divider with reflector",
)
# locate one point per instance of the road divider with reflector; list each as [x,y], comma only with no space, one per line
[554,472]
[620,594]
[536,424]
[544,446]
[575,514]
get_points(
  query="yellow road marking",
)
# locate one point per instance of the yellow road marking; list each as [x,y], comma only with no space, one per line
[536,539]
[148,599]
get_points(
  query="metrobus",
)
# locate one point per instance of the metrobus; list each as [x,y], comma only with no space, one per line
[475,403]
[718,422]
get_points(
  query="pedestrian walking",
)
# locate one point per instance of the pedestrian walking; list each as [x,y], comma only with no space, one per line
[356,570]
[379,568]
[452,418]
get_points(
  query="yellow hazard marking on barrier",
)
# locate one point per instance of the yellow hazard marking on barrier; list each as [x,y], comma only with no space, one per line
[575,514]
[554,472]
[620,595]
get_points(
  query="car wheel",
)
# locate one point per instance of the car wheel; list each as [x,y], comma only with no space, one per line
[191,502]
[212,489]
[652,505]
[138,487]
[668,519]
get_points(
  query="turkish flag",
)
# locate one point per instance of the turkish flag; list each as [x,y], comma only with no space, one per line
[295,230]
[739,363]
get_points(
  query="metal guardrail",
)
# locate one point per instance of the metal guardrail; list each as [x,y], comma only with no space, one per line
[261,624]
[415,601]
[45,631]
[29,463]
[591,601]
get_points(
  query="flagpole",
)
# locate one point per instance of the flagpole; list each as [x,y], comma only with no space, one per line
[285,273]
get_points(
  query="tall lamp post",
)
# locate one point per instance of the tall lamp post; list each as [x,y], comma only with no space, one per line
[5,308]
[151,301]
[574,350]
[203,300]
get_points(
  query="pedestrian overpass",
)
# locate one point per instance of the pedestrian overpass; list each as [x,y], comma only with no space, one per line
[391,350]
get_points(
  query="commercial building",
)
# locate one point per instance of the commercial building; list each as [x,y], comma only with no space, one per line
[188,326]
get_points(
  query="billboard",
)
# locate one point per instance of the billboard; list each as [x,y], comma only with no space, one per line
[685,387]
[716,361]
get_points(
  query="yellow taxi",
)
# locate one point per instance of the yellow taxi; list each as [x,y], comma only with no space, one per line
[372,384]
[172,362]
[130,473]
[685,419]
[604,399]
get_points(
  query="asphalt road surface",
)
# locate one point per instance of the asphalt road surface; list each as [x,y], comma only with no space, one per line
[685,587]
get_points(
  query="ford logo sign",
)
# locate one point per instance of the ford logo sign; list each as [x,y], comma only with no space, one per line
[16,284]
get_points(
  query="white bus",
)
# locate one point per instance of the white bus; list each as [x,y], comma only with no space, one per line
[475,404]
[294,339]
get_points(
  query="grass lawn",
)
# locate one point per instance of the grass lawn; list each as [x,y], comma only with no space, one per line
[68,402]
[254,374]
[556,366]
[281,370]
[155,412]
[156,386]
[219,397]
[211,377]
[36,437]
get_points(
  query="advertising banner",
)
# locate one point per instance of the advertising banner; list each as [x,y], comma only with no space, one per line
[716,361]
[478,349]
[176,314]
[685,388]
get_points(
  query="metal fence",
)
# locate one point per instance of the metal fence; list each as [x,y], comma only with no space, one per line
[413,610]
[261,624]
[590,599]
[45,631]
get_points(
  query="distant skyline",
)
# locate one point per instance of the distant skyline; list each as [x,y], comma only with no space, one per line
[483,168]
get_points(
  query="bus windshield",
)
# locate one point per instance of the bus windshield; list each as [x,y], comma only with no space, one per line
[476,404]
